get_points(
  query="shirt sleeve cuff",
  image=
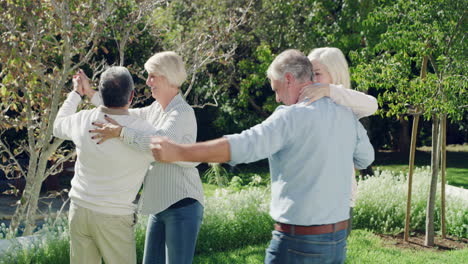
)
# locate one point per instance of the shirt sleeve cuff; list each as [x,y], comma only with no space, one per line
[234,151]
[122,132]
[96,100]
[74,97]
[127,135]
[334,91]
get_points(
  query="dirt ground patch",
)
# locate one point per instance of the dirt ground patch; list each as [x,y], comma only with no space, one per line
[416,242]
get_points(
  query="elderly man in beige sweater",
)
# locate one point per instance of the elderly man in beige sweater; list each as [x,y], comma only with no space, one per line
[107,176]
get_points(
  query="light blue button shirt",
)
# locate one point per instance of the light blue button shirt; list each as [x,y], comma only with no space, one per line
[311,150]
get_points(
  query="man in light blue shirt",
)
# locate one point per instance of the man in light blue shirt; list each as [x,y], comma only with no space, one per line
[311,151]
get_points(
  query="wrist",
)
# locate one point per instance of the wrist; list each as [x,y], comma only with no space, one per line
[180,153]
[78,93]
[120,132]
[90,93]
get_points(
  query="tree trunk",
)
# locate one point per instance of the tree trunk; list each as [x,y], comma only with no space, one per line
[20,211]
[429,241]
[30,221]
[414,134]
[443,141]
[27,209]
[403,139]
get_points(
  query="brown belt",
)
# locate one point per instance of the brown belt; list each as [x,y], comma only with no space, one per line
[311,230]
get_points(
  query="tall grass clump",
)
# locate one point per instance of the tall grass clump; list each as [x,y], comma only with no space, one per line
[50,245]
[4,230]
[381,204]
[234,219]
[216,174]
[140,235]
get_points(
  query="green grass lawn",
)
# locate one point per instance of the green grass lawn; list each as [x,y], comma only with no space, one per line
[363,247]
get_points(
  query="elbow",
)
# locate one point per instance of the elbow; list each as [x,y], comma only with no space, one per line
[365,161]
[56,128]
[55,131]
[370,158]
[374,106]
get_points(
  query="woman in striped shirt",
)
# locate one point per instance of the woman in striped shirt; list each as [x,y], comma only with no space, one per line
[173,193]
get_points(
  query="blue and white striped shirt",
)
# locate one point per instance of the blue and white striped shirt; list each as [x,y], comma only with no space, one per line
[165,183]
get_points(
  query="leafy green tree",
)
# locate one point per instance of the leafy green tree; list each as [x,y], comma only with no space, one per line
[404,39]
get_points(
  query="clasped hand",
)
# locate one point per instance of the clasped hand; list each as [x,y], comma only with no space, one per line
[314,92]
[164,150]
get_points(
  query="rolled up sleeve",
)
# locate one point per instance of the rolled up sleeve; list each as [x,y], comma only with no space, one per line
[260,141]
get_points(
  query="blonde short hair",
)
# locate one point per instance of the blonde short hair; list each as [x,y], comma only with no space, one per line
[169,65]
[335,62]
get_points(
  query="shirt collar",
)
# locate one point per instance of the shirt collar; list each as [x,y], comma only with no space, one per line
[113,111]
[174,102]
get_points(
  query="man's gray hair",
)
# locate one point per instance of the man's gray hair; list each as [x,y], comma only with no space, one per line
[116,86]
[292,61]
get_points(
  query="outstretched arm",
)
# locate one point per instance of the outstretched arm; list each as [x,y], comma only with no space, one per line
[250,145]
[165,150]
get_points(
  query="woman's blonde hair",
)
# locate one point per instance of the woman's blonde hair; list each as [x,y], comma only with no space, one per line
[169,65]
[335,62]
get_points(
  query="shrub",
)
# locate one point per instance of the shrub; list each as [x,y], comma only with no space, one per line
[50,245]
[381,204]
[235,219]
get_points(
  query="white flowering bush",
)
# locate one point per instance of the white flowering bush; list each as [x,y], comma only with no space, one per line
[238,216]
[381,204]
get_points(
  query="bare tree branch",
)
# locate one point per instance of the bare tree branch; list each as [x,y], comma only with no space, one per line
[11,156]
[58,166]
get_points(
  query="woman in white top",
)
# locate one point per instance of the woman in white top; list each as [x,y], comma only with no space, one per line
[173,194]
[332,75]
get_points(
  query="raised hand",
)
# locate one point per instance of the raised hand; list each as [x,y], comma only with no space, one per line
[165,150]
[105,131]
[88,91]
[77,85]
[314,92]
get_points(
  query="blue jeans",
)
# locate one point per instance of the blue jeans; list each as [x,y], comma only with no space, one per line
[294,249]
[171,235]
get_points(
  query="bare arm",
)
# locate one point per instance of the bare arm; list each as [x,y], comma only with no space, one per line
[217,150]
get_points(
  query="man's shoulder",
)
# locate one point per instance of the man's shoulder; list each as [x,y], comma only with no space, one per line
[325,103]
[87,112]
[138,123]
[319,108]
[301,107]
[290,113]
